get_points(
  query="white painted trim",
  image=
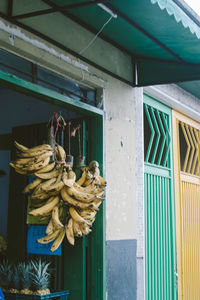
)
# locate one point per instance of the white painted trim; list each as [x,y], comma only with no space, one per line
[161,96]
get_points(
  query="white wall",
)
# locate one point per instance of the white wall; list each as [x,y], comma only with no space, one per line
[120,161]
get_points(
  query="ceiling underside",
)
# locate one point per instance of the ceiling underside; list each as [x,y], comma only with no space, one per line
[159,35]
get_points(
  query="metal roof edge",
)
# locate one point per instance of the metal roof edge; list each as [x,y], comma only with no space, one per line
[180,14]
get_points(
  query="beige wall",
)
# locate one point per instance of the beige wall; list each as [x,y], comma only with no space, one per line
[119,106]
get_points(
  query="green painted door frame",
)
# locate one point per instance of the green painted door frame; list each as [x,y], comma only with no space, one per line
[96,278]
[159,204]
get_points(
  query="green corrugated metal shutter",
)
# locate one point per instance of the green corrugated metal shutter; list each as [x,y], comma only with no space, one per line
[160,259]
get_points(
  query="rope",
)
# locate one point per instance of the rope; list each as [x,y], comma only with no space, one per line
[94,38]
[60,122]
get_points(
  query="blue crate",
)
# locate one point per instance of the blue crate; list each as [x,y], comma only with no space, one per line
[35,232]
[62,295]
[1,295]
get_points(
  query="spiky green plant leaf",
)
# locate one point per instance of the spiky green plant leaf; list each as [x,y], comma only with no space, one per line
[6,273]
[25,275]
[16,282]
[40,275]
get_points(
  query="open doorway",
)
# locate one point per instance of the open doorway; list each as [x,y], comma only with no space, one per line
[27,106]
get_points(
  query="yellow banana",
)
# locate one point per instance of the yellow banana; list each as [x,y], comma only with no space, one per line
[84,197]
[39,165]
[82,179]
[97,202]
[50,227]
[69,232]
[72,175]
[93,164]
[88,189]
[60,211]
[68,199]
[45,208]
[88,214]
[58,240]
[59,176]
[48,175]
[103,182]
[30,155]
[89,175]
[49,238]
[68,182]
[76,217]
[55,187]
[23,161]
[32,185]
[50,198]
[60,153]
[85,229]
[37,204]
[47,168]
[44,218]
[45,185]
[95,172]
[89,179]
[38,159]
[20,147]
[42,147]
[34,163]
[44,196]
[90,220]
[18,170]
[55,218]
[94,206]
[76,229]
[40,196]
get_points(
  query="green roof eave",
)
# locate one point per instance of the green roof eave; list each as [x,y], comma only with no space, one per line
[174,10]
[192,87]
[161,38]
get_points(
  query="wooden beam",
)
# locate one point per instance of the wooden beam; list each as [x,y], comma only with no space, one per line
[10,8]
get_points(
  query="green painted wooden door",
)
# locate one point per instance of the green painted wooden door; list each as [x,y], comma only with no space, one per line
[160,254]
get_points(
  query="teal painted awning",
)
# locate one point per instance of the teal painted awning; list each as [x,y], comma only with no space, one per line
[173,9]
[162,38]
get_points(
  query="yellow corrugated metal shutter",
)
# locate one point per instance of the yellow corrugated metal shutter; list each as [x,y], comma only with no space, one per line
[186,134]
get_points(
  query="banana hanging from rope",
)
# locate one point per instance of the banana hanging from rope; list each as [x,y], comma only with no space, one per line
[69,205]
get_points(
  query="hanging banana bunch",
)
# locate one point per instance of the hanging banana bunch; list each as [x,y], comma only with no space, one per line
[70,206]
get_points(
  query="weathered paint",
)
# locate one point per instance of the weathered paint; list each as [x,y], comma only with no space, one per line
[120,162]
